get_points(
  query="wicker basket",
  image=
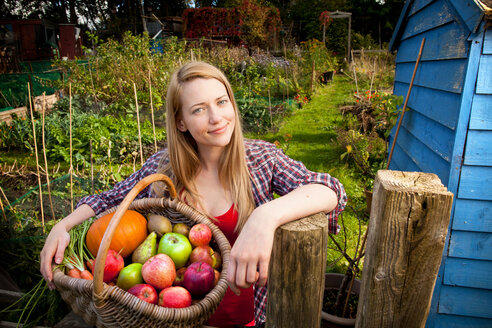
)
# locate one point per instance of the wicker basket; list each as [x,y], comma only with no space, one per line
[109,306]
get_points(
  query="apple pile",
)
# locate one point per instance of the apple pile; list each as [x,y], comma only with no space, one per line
[174,266]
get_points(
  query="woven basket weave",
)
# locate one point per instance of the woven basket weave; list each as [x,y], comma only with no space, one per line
[110,306]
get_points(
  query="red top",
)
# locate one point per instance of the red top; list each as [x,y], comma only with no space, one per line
[233,309]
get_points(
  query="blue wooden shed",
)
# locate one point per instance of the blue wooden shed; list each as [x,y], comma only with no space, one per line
[447,130]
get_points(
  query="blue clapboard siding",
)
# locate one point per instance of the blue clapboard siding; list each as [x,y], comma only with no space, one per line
[487,42]
[478,148]
[422,158]
[402,162]
[481,113]
[471,245]
[446,75]
[484,79]
[445,42]
[423,100]
[469,13]
[468,273]
[436,14]
[466,301]
[473,215]
[432,134]
[456,321]
[418,5]
[476,182]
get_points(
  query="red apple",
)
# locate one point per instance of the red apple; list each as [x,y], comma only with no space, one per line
[175,297]
[202,254]
[113,265]
[200,234]
[181,228]
[199,278]
[217,276]
[159,271]
[179,277]
[145,292]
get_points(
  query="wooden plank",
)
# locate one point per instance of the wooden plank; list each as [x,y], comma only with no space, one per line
[484,78]
[481,113]
[455,321]
[478,150]
[446,75]
[468,12]
[487,42]
[468,273]
[466,301]
[472,215]
[434,15]
[440,106]
[476,182]
[471,245]
[445,42]
[418,5]
[409,219]
[432,134]
[424,157]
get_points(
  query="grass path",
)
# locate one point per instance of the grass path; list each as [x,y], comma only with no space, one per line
[314,142]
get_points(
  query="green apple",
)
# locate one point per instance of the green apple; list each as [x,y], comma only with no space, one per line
[177,247]
[130,276]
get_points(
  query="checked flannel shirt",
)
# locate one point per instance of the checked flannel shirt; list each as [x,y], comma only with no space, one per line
[271,172]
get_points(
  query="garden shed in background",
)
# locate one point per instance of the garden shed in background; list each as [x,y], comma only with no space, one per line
[447,130]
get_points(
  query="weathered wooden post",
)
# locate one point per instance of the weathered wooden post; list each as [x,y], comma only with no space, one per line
[410,214]
[296,275]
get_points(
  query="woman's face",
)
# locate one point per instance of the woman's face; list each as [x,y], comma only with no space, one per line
[207,113]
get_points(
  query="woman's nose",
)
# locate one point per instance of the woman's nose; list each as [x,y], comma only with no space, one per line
[214,114]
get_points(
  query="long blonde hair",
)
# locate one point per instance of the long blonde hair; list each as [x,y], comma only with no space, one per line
[184,162]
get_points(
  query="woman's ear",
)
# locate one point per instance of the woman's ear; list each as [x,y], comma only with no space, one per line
[181,126]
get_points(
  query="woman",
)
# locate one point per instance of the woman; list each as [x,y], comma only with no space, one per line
[230,179]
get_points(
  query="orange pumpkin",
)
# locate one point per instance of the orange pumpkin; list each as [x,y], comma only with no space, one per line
[129,234]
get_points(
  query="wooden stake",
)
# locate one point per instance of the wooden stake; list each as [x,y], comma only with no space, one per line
[138,125]
[270,107]
[3,210]
[46,159]
[293,299]
[152,112]
[36,153]
[355,77]
[405,104]
[92,166]
[70,130]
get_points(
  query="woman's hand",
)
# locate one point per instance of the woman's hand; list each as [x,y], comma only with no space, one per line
[54,246]
[251,252]
[58,239]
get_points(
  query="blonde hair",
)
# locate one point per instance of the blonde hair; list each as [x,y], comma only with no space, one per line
[183,157]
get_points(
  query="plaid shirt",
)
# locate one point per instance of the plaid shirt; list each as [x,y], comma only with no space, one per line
[271,172]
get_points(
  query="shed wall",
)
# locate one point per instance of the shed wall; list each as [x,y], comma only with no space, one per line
[447,130]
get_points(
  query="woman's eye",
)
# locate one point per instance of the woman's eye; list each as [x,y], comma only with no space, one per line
[222,102]
[197,110]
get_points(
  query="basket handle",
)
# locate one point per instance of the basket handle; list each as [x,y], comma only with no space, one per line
[115,220]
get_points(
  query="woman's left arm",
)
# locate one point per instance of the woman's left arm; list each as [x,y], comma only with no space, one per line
[251,253]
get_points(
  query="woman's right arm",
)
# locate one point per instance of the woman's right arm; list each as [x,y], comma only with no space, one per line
[58,239]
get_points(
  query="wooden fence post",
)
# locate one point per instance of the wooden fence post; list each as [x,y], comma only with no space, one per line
[407,230]
[296,275]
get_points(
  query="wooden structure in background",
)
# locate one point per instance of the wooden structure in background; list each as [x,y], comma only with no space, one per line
[447,130]
[296,275]
[406,234]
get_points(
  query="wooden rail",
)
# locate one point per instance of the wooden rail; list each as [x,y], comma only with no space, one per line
[407,230]
[297,273]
